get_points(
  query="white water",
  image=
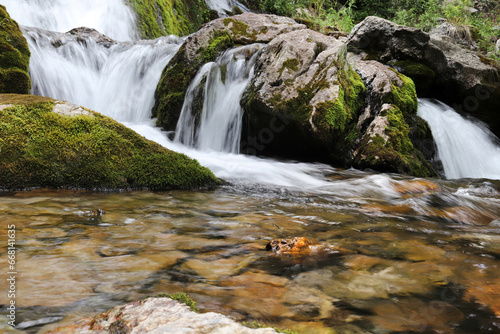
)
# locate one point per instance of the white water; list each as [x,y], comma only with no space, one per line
[118,81]
[220,123]
[224,6]
[110,17]
[467,149]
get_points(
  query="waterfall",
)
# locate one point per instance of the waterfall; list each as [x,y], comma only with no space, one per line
[224,6]
[110,17]
[466,148]
[217,126]
[117,79]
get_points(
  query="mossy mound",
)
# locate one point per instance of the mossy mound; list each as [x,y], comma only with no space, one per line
[392,150]
[84,149]
[14,56]
[169,17]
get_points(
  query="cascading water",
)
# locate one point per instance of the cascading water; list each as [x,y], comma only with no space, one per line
[117,79]
[224,6]
[111,17]
[222,84]
[467,149]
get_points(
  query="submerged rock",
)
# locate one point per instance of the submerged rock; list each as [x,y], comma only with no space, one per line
[14,57]
[441,68]
[49,143]
[159,315]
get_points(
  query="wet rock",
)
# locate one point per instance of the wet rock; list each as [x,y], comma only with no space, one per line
[416,187]
[159,315]
[84,35]
[487,295]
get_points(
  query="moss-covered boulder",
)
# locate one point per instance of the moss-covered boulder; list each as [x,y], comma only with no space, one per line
[169,17]
[439,66]
[14,56]
[304,86]
[205,46]
[309,99]
[48,143]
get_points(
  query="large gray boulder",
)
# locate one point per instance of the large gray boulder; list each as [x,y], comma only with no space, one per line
[159,315]
[441,68]
[309,99]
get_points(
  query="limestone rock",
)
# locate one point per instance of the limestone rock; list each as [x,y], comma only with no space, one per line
[159,315]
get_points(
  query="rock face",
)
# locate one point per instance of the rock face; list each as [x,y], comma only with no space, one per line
[163,18]
[440,68]
[309,98]
[48,143]
[14,57]
[159,315]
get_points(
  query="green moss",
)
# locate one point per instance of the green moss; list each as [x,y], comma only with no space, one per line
[14,56]
[180,297]
[396,154]
[221,41]
[421,74]
[404,96]
[39,148]
[290,64]
[165,17]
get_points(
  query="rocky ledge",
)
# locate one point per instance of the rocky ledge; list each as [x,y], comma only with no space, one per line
[159,315]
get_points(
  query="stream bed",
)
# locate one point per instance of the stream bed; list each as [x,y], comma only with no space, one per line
[415,255]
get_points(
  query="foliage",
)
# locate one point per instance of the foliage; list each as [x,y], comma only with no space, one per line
[40,148]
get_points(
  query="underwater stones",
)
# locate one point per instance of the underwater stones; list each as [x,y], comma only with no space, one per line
[299,245]
[159,315]
[14,56]
[76,148]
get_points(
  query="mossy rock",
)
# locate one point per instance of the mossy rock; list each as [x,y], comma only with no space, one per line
[169,17]
[392,150]
[42,146]
[421,74]
[14,56]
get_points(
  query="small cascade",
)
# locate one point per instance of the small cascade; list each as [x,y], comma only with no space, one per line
[225,6]
[466,148]
[217,89]
[117,79]
[111,17]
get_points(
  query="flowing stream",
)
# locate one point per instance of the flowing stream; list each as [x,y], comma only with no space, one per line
[412,255]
